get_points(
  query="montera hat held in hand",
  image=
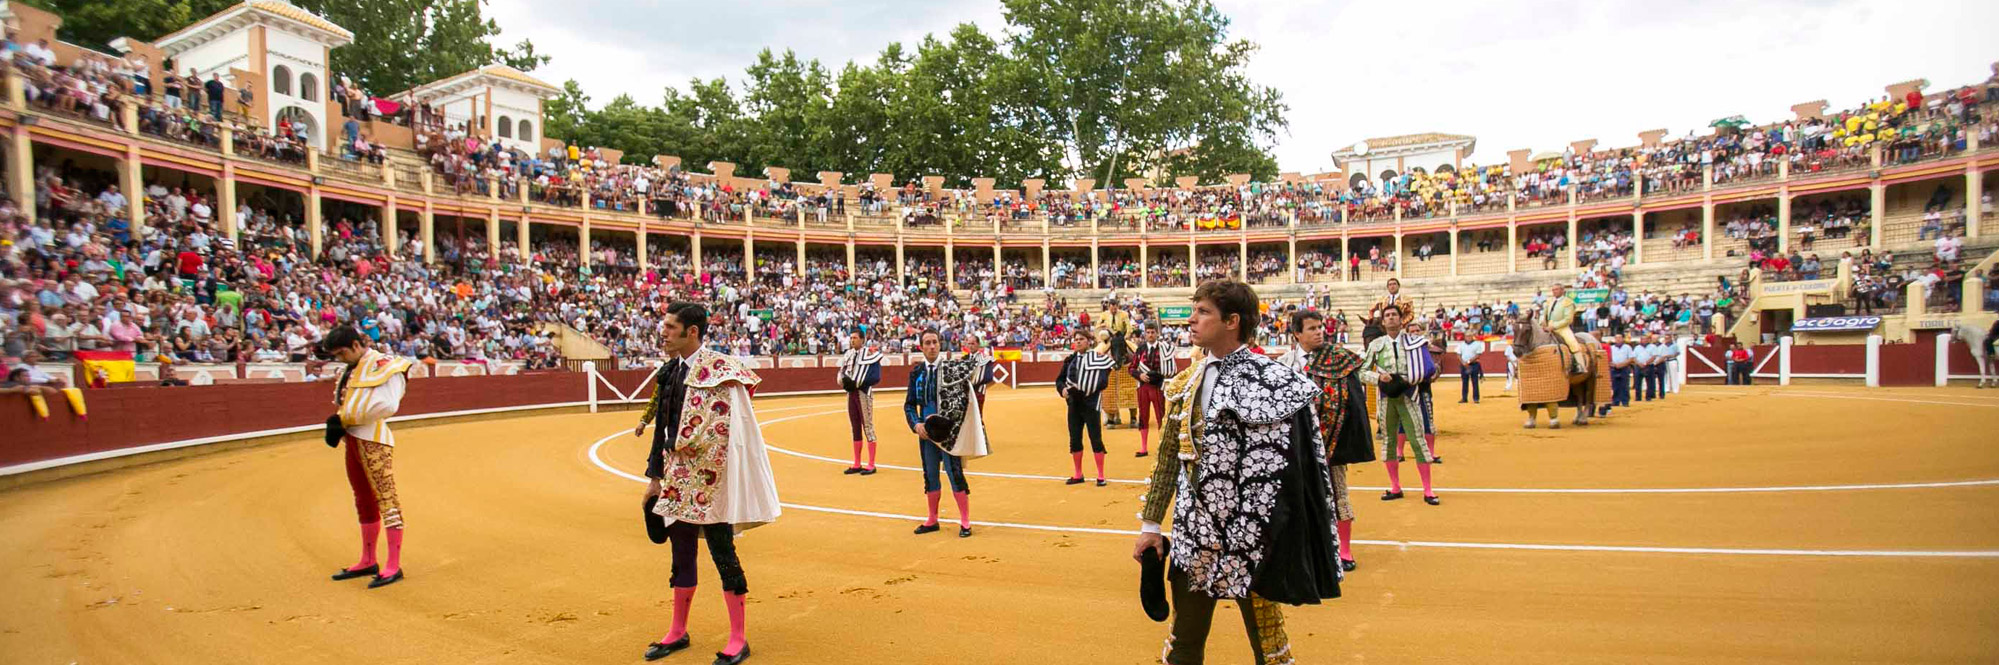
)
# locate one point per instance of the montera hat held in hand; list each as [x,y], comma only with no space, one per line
[1152,582]
[655,524]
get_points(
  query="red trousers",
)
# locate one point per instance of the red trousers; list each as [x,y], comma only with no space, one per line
[1151,400]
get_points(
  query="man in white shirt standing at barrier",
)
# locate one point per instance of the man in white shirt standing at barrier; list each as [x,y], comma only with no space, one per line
[1470,372]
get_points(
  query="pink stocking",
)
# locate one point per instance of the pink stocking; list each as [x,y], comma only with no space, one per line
[369,531]
[1431,441]
[1144,440]
[1394,476]
[395,553]
[683,602]
[1100,466]
[932,497]
[871,455]
[1346,539]
[1423,469]
[857,453]
[964,508]
[737,621]
[1078,459]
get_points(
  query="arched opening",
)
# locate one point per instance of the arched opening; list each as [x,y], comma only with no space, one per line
[506,129]
[1387,174]
[1418,171]
[302,124]
[524,131]
[308,87]
[1445,169]
[281,80]
[1357,180]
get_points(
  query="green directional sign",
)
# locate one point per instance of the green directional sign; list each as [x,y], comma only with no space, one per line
[764,314]
[1176,313]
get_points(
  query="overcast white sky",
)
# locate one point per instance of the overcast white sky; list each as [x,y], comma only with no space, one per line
[1520,74]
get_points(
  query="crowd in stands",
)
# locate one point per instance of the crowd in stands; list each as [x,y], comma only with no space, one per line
[174,288]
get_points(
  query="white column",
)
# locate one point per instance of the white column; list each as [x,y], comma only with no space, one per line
[1873,361]
[1943,360]
[1784,360]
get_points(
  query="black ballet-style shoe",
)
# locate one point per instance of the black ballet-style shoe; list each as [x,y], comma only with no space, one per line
[1434,501]
[380,581]
[658,650]
[1078,480]
[345,574]
[926,528]
[1390,496]
[1101,482]
[868,471]
[1140,454]
[726,659]
[1348,565]
[1436,460]
[964,532]
[852,470]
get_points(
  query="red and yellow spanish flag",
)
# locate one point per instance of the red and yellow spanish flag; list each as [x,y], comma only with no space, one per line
[116,365]
[1006,355]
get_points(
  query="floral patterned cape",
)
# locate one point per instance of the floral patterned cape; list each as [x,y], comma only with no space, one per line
[718,471]
[1248,508]
[1343,419]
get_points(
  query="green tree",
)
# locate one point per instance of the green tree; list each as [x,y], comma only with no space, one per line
[563,116]
[787,101]
[94,23]
[1123,84]
[400,44]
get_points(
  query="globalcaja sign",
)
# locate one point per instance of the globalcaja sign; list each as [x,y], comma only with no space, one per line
[1836,324]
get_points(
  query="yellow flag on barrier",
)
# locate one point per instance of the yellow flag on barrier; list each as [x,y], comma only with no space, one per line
[1006,355]
[117,366]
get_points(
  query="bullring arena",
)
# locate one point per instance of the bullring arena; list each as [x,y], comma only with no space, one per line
[1723,524]
[1809,296]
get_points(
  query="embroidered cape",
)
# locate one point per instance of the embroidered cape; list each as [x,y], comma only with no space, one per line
[1253,512]
[718,471]
[957,401]
[1343,422]
[370,392]
[860,369]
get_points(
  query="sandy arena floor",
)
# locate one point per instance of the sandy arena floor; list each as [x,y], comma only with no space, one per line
[1577,545]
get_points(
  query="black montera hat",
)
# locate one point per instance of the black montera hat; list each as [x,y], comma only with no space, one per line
[1152,582]
[655,524]
[938,429]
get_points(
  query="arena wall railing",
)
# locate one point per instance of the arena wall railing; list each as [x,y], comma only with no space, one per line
[134,425]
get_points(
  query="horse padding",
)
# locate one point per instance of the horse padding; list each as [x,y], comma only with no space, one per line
[1543,380]
[1602,373]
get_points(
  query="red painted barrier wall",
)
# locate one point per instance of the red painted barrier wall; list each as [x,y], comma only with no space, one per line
[1912,364]
[1828,359]
[133,416]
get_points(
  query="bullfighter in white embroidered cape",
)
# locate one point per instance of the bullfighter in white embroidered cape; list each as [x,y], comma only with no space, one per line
[370,391]
[1243,465]
[710,472]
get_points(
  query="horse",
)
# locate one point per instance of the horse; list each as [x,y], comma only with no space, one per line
[1975,333]
[1528,338]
